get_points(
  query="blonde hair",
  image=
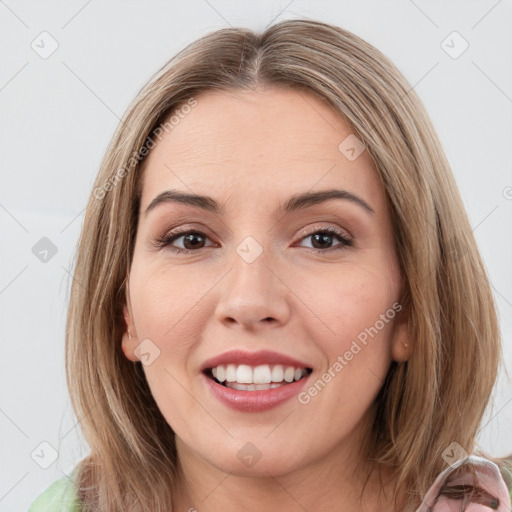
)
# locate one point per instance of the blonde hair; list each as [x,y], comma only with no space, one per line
[435,398]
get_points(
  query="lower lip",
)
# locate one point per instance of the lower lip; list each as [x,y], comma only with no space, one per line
[254,401]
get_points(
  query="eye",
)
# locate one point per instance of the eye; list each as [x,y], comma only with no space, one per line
[192,240]
[323,237]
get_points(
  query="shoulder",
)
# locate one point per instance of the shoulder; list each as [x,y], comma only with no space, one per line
[473,472]
[60,496]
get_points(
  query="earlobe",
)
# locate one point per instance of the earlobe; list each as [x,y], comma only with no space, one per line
[128,347]
[128,341]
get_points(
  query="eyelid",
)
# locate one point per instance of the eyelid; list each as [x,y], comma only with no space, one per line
[331,228]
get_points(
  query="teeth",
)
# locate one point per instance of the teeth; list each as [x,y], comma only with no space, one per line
[244,374]
[252,387]
[289,374]
[277,373]
[262,374]
[251,378]
[231,373]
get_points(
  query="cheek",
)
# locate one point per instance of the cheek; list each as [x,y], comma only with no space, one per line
[351,301]
[166,306]
[357,307]
[362,307]
[164,302]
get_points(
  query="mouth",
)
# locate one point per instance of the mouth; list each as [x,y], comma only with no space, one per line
[244,377]
[254,381]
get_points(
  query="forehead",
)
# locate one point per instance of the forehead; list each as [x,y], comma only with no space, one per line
[257,144]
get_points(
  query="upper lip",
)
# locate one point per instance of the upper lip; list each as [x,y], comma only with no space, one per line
[260,357]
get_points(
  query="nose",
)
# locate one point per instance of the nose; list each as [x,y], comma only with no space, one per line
[253,296]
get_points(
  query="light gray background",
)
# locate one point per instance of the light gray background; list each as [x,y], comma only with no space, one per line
[58,115]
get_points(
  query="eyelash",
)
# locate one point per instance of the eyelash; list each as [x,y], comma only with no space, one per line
[171,236]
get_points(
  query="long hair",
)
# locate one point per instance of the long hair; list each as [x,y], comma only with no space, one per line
[432,400]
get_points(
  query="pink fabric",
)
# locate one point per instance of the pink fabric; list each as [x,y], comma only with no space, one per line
[451,491]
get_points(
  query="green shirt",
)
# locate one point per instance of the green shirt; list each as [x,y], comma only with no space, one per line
[60,496]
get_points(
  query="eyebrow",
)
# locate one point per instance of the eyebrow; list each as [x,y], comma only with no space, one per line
[295,202]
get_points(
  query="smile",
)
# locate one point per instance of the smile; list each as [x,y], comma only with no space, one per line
[254,381]
[244,377]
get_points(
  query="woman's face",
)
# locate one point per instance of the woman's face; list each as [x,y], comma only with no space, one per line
[264,279]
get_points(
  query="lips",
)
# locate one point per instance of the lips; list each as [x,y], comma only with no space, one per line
[254,381]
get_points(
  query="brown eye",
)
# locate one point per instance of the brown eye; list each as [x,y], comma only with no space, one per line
[192,241]
[321,240]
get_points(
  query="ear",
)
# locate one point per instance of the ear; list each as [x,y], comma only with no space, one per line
[402,344]
[129,340]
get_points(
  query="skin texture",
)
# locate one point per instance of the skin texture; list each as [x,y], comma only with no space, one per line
[250,151]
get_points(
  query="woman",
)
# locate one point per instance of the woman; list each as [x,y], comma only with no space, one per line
[278,302]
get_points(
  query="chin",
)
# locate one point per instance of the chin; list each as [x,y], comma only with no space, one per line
[276,466]
[252,459]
